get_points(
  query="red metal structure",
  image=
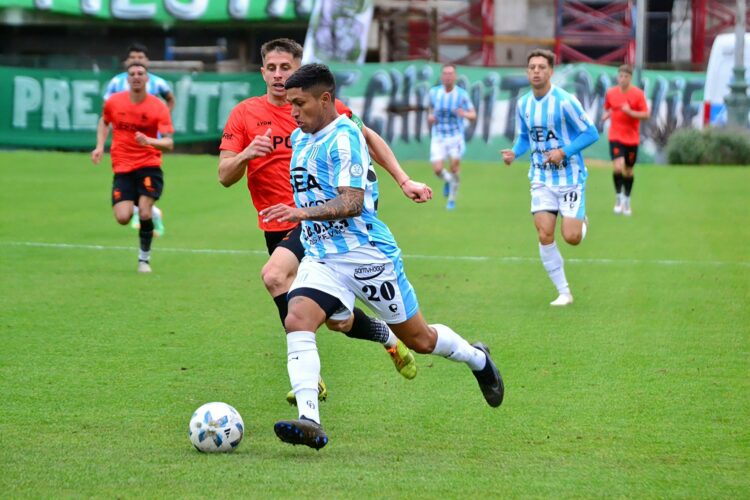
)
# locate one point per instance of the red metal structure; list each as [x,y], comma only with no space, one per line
[421,28]
[600,31]
[710,18]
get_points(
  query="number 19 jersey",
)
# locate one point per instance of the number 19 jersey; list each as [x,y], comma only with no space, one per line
[552,122]
[336,156]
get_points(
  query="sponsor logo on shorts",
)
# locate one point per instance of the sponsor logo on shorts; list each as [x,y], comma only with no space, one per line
[368,271]
[116,194]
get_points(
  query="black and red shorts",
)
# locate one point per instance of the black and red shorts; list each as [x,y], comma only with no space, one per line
[620,150]
[146,181]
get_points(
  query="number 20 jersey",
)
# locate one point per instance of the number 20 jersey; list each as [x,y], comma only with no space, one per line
[336,156]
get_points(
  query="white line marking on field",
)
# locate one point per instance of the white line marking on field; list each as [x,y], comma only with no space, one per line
[219,251]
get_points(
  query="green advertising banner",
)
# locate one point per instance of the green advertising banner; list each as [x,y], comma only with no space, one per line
[170,11]
[55,109]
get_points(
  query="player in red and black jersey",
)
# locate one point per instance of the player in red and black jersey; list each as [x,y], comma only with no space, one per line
[256,145]
[142,129]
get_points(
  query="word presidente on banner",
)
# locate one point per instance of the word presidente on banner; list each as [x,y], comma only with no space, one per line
[469,258]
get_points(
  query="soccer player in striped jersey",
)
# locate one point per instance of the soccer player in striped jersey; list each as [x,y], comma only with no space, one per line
[450,106]
[349,253]
[626,105]
[256,145]
[156,85]
[553,125]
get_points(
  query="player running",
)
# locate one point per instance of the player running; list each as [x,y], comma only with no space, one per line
[336,198]
[256,144]
[554,125]
[626,105]
[142,129]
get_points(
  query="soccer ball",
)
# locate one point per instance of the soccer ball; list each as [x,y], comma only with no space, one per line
[215,428]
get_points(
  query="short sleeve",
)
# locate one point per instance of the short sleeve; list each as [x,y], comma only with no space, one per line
[467,105]
[165,120]
[641,104]
[107,111]
[348,166]
[233,138]
[110,89]
[607,100]
[575,115]
[163,88]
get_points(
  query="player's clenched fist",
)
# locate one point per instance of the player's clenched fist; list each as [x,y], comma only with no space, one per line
[508,156]
[260,146]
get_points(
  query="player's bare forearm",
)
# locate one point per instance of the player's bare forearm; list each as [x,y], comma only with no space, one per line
[383,156]
[470,115]
[231,167]
[165,143]
[348,203]
[102,132]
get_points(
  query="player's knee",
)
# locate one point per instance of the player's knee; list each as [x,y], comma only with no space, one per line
[274,278]
[573,237]
[295,322]
[122,218]
[546,237]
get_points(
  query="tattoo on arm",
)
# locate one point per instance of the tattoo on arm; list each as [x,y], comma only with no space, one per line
[348,203]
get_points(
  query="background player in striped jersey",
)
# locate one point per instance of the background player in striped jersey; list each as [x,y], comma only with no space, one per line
[256,144]
[142,129]
[626,105]
[156,85]
[336,195]
[449,106]
[553,124]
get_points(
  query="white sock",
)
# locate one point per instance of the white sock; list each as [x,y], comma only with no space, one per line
[303,365]
[392,340]
[584,230]
[453,188]
[155,213]
[135,211]
[144,255]
[451,345]
[446,176]
[553,263]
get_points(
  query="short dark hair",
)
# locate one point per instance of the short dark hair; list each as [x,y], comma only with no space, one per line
[449,65]
[547,54]
[282,45]
[140,65]
[313,76]
[625,68]
[136,47]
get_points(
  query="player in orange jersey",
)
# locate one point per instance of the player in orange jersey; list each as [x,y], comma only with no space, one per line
[142,129]
[256,144]
[625,104]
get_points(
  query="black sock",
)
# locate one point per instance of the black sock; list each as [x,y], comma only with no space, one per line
[627,182]
[367,328]
[146,234]
[618,178]
[282,304]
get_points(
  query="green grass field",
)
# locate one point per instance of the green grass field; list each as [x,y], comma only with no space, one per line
[639,389]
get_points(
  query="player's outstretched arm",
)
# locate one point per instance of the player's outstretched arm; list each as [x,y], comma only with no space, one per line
[102,132]
[347,204]
[383,155]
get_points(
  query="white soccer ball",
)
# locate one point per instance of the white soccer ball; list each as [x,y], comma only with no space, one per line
[216,427]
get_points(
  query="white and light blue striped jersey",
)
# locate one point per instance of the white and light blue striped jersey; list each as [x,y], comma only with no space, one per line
[156,85]
[336,156]
[554,121]
[444,105]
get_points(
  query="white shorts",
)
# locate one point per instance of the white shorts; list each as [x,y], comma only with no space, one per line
[569,201]
[366,273]
[452,147]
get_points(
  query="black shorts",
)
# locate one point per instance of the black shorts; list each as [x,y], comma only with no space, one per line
[146,181]
[291,240]
[620,150]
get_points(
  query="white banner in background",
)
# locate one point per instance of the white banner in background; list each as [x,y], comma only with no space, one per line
[338,31]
